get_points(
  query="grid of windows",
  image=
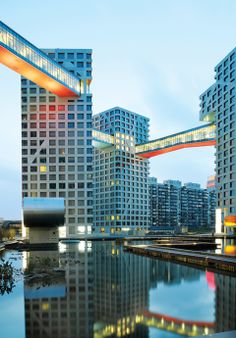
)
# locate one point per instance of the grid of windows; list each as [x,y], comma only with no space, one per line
[57,145]
[218,103]
[172,204]
[120,177]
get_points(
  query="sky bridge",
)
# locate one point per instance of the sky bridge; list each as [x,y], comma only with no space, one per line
[126,326]
[201,136]
[24,58]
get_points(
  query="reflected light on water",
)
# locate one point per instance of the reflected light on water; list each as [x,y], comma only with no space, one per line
[230,250]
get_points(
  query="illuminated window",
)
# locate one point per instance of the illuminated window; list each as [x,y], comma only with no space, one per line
[61,107]
[43,168]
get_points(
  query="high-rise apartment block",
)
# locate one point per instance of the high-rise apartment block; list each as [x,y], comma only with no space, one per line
[152,190]
[211,189]
[176,205]
[218,105]
[57,142]
[120,176]
[168,203]
[193,206]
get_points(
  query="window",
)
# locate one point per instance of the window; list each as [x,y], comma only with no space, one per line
[52,116]
[70,56]
[61,107]
[42,125]
[43,168]
[61,125]
[61,56]
[80,125]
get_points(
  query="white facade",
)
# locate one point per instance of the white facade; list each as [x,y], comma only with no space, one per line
[121,177]
[57,142]
[218,104]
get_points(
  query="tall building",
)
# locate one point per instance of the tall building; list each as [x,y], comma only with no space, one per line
[57,142]
[152,190]
[218,105]
[211,189]
[176,205]
[168,203]
[120,176]
[193,206]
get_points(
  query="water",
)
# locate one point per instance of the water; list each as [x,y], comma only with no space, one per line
[99,291]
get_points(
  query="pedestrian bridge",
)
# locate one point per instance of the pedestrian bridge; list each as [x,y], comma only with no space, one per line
[126,326]
[196,137]
[24,58]
[176,325]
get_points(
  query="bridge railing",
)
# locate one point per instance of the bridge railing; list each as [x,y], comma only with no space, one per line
[101,139]
[25,50]
[198,134]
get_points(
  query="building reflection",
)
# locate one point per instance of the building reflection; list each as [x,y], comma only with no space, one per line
[94,289]
[121,292]
[225,303]
[68,313]
[171,273]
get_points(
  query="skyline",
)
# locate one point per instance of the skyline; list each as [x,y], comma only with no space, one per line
[157,93]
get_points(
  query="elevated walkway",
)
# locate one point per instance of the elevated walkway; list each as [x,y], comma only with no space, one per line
[196,137]
[24,58]
[102,140]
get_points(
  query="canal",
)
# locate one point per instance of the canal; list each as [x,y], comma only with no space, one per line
[94,289]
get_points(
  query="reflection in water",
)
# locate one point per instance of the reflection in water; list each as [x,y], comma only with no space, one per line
[64,311]
[96,290]
[121,292]
[225,303]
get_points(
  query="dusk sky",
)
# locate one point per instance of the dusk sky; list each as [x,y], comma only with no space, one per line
[153,57]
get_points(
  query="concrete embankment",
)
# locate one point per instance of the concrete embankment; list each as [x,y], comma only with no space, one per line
[211,261]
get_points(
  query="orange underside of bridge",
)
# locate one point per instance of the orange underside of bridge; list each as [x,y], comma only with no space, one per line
[150,154]
[179,321]
[230,221]
[34,74]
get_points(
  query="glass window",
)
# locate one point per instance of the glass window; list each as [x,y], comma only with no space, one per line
[61,107]
[71,125]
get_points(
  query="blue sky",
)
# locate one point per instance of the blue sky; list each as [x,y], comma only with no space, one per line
[153,57]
